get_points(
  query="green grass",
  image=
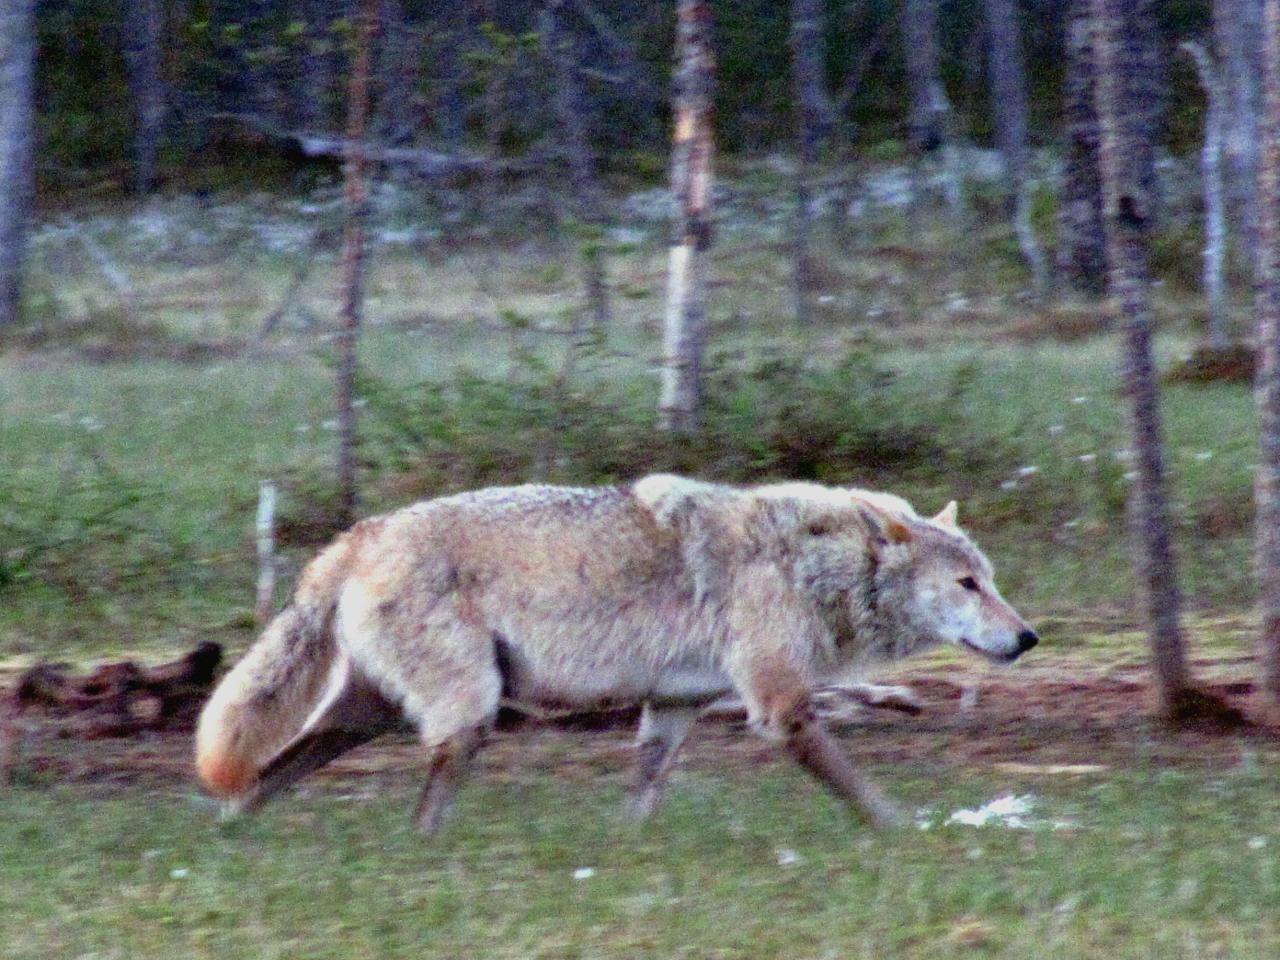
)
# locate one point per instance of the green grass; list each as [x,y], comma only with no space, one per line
[1154,864]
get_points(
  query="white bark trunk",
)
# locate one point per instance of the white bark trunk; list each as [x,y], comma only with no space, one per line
[1267,483]
[679,405]
[1215,220]
[266,539]
[17,81]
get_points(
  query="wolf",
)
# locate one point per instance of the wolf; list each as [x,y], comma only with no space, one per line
[668,592]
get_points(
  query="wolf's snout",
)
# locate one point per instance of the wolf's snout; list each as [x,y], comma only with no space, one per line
[1026,640]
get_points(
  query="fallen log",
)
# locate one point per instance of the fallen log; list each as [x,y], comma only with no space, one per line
[303,146]
[116,699]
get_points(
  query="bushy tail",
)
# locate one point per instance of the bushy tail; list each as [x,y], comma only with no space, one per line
[263,702]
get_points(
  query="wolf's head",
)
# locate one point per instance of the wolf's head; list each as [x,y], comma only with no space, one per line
[887,581]
[935,586]
[892,582]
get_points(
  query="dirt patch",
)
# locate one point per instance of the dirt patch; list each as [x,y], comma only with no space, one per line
[1032,724]
[1064,324]
[1237,363]
[194,352]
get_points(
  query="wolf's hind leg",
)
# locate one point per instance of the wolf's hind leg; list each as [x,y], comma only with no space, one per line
[662,731]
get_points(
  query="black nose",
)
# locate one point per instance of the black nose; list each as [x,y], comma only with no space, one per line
[1026,640]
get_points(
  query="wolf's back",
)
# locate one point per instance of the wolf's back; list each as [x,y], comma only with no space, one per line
[263,702]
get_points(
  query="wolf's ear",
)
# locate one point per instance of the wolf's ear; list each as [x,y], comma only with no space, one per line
[947,515]
[885,528]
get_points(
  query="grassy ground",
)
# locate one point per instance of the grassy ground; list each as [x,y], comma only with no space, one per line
[1141,864]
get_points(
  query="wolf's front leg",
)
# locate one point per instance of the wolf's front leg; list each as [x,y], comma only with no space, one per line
[774,672]
[662,731]
[779,701]
[813,747]
[449,762]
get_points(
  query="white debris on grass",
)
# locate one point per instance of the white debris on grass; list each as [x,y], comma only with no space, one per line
[1008,811]
[584,873]
[1011,811]
[788,858]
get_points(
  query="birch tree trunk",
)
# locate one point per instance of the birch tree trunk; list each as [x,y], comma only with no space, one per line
[814,120]
[571,118]
[355,175]
[1267,490]
[1215,220]
[1009,104]
[1237,30]
[1081,255]
[17,79]
[926,127]
[679,407]
[929,127]
[1127,220]
[264,601]
[144,30]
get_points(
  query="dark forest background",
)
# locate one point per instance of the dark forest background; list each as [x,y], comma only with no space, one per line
[285,63]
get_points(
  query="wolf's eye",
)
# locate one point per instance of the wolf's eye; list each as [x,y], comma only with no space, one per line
[968,583]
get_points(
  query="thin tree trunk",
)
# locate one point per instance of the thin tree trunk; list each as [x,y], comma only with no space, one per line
[814,121]
[952,163]
[144,30]
[398,58]
[1215,221]
[1268,306]
[679,407]
[264,603]
[851,85]
[315,66]
[1128,211]
[1237,28]
[17,79]
[926,127]
[353,254]
[451,82]
[494,88]
[1009,104]
[1081,257]
[571,117]
[929,128]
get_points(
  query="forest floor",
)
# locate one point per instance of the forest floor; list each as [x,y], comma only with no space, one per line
[1051,818]
[138,420]
[1053,714]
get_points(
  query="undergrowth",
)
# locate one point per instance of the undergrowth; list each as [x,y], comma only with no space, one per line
[781,417]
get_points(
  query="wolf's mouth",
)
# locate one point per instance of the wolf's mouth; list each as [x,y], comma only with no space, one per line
[989,654]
